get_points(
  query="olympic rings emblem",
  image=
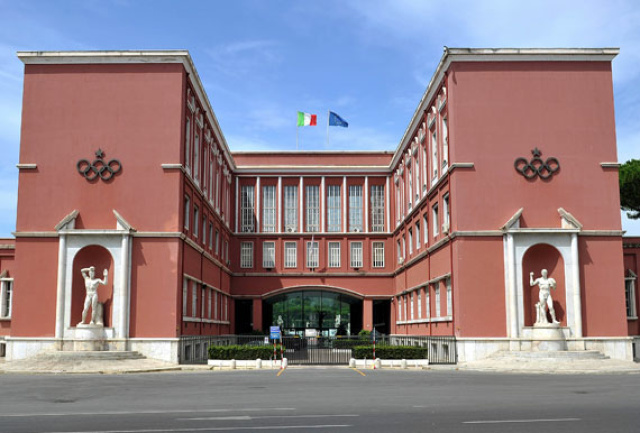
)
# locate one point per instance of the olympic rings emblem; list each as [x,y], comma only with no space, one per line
[537,166]
[99,168]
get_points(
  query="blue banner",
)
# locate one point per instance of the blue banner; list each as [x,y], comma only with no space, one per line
[335,120]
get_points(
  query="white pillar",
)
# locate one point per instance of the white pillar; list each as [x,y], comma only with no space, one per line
[237,208]
[301,212]
[62,266]
[258,205]
[322,198]
[345,209]
[575,270]
[387,206]
[513,299]
[122,330]
[279,205]
[366,205]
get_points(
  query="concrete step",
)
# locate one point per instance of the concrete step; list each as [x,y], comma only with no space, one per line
[98,355]
[568,355]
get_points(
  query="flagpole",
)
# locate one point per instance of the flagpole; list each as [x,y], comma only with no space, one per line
[297,128]
[328,114]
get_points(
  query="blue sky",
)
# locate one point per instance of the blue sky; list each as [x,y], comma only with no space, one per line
[261,61]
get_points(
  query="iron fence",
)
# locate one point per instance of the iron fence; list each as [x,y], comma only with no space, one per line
[318,350]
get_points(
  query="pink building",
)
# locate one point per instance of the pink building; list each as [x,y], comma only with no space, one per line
[123,166]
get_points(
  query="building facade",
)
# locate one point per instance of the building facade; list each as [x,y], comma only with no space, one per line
[123,166]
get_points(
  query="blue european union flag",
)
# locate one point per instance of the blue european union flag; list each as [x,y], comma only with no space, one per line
[335,120]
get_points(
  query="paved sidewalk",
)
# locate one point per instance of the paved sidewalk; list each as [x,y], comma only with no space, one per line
[53,365]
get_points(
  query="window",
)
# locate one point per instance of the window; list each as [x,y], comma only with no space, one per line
[437,292]
[449,304]
[399,247]
[269,209]
[427,301]
[417,235]
[196,158]
[226,251]
[377,208]
[413,298]
[425,174]
[196,222]
[445,223]
[399,301]
[185,296]
[269,255]
[194,299]
[416,183]
[356,254]
[202,298]
[187,145]
[333,208]
[404,246]
[216,310]
[378,254]
[434,157]
[334,254]
[187,212]
[313,208]
[290,254]
[630,295]
[312,255]
[6,288]
[355,208]
[291,208]
[410,237]
[210,235]
[247,209]
[217,250]
[210,293]
[425,224]
[435,220]
[204,230]
[420,303]
[406,315]
[246,255]
[445,143]
[410,179]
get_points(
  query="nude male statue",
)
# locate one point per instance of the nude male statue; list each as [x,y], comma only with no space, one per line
[91,299]
[545,284]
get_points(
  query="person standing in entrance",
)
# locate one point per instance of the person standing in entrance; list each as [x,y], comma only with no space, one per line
[91,299]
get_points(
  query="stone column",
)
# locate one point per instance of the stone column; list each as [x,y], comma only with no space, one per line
[575,272]
[62,266]
[122,324]
[257,314]
[367,314]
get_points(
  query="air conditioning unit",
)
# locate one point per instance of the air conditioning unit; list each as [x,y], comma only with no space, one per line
[445,228]
[357,230]
[289,229]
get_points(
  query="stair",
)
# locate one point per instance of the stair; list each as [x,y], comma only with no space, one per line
[97,355]
[564,355]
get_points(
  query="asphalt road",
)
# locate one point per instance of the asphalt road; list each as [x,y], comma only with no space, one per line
[320,400]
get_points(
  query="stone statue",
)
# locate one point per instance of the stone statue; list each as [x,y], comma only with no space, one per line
[91,299]
[545,284]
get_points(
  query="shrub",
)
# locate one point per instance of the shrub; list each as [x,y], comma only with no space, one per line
[347,343]
[390,352]
[242,352]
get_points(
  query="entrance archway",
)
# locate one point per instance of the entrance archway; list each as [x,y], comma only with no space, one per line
[538,257]
[100,258]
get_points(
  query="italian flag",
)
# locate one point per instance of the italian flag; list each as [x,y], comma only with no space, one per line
[306,119]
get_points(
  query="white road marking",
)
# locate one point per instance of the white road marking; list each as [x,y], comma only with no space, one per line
[149,412]
[506,421]
[250,428]
[247,417]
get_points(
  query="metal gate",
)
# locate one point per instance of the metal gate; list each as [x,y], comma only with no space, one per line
[316,351]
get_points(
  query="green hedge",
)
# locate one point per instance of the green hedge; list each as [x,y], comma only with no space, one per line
[242,352]
[390,352]
[347,343]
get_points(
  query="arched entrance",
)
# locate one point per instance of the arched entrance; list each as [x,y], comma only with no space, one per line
[100,258]
[313,312]
[538,257]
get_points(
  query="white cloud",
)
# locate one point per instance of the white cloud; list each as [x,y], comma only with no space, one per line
[242,58]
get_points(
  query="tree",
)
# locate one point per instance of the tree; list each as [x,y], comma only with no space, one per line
[630,188]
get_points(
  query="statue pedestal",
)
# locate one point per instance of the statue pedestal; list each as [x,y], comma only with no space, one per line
[548,337]
[91,337]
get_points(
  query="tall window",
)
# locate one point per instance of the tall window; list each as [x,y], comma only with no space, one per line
[377,208]
[334,254]
[6,288]
[434,218]
[185,296]
[247,209]
[630,295]
[425,173]
[437,292]
[434,156]
[246,255]
[217,245]
[445,217]
[445,143]
[196,158]
[356,254]
[378,254]
[399,302]
[210,235]
[194,299]
[312,255]
[355,208]
[334,223]
[420,303]
[290,254]
[413,301]
[187,211]
[269,208]
[449,303]
[187,145]
[417,235]
[313,207]
[410,179]
[416,183]
[399,249]
[425,224]
[427,301]
[410,237]
[269,255]
[291,208]
[196,222]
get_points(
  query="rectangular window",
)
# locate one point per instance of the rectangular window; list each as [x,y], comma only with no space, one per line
[445,217]
[425,173]
[196,158]
[312,255]
[434,157]
[445,143]
[425,224]
[226,251]
[378,254]
[377,208]
[187,212]
[399,302]
[194,299]
[417,235]
[399,247]
[216,310]
[196,222]
[630,295]
[290,208]
[434,218]
[420,303]
[6,289]
[185,296]
[356,254]
[410,238]
[334,254]
[416,171]
[413,299]
[202,298]
[247,209]
[355,208]
[449,303]
[410,179]
[210,235]
[246,255]
[334,223]
[269,209]
[217,246]
[437,292]
[290,254]
[406,301]
[404,247]
[427,302]
[204,230]
[187,145]
[313,207]
[269,255]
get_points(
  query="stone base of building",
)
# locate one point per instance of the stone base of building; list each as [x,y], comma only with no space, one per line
[475,349]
